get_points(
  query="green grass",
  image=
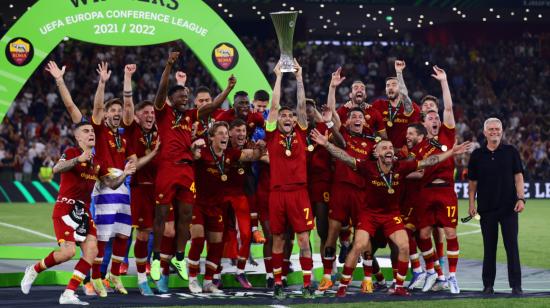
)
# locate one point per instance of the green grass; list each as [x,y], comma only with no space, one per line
[532,236]
[470,303]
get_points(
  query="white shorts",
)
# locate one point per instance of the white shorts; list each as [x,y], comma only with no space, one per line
[112,211]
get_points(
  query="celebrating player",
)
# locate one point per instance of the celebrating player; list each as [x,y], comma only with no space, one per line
[71,215]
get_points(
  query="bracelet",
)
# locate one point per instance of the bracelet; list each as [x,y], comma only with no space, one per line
[522,199]
[127,93]
[329,124]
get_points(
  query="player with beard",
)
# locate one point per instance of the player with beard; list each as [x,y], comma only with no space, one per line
[213,165]
[383,186]
[398,110]
[416,140]
[112,206]
[439,205]
[174,183]
[72,220]
[347,192]
[206,109]
[289,205]
[241,110]
[374,123]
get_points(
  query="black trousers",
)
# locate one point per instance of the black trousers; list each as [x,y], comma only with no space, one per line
[489,229]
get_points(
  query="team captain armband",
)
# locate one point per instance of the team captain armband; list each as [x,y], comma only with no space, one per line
[271,126]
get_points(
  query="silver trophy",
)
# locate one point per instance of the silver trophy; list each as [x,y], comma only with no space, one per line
[284,23]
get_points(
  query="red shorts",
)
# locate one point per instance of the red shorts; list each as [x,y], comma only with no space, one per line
[262,202]
[174,182]
[209,216]
[290,208]
[142,202]
[439,207]
[65,233]
[345,203]
[371,222]
[319,192]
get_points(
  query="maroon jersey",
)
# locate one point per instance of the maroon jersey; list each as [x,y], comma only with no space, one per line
[208,178]
[444,170]
[318,160]
[398,131]
[237,177]
[174,128]
[202,125]
[287,172]
[374,122]
[253,119]
[142,143]
[77,183]
[111,147]
[358,146]
[380,200]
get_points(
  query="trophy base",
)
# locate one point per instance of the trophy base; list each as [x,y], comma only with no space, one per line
[287,64]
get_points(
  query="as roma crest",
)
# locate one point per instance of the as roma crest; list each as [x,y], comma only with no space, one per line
[225,56]
[19,51]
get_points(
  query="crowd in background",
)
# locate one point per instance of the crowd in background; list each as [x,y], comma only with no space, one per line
[505,79]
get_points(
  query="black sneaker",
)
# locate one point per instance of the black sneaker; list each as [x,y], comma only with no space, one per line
[279,292]
[308,292]
[270,283]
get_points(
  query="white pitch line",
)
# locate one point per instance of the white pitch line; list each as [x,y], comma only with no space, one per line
[28,231]
[278,306]
[469,232]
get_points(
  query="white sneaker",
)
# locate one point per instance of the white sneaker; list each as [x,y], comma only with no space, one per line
[194,286]
[28,279]
[440,285]
[71,299]
[430,281]
[453,284]
[209,287]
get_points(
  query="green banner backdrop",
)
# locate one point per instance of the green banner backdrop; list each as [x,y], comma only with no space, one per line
[123,23]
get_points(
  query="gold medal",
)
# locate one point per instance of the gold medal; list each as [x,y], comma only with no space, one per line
[389,123]
[240,171]
[377,139]
[391,191]
[444,148]
[224,177]
[310,147]
[288,153]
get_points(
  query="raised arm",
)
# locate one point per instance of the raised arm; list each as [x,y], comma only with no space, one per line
[207,109]
[335,151]
[276,97]
[196,148]
[181,78]
[64,165]
[448,115]
[74,112]
[436,159]
[128,115]
[162,91]
[335,81]
[104,74]
[407,102]
[300,95]
[328,117]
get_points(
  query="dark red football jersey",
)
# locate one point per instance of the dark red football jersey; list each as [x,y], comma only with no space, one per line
[287,172]
[398,131]
[208,178]
[142,143]
[359,147]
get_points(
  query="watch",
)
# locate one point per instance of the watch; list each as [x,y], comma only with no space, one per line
[522,199]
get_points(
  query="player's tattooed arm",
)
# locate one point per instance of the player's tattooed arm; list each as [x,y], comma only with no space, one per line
[104,75]
[407,102]
[162,92]
[436,159]
[128,112]
[301,96]
[335,137]
[253,154]
[64,165]
[74,112]
[341,155]
[207,109]
[335,81]
[276,96]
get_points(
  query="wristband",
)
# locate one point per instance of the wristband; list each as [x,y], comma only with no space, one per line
[522,199]
[329,124]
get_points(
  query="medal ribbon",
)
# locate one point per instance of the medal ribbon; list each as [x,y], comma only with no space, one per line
[383,176]
[364,136]
[178,115]
[219,163]
[118,140]
[288,141]
[435,143]
[393,114]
